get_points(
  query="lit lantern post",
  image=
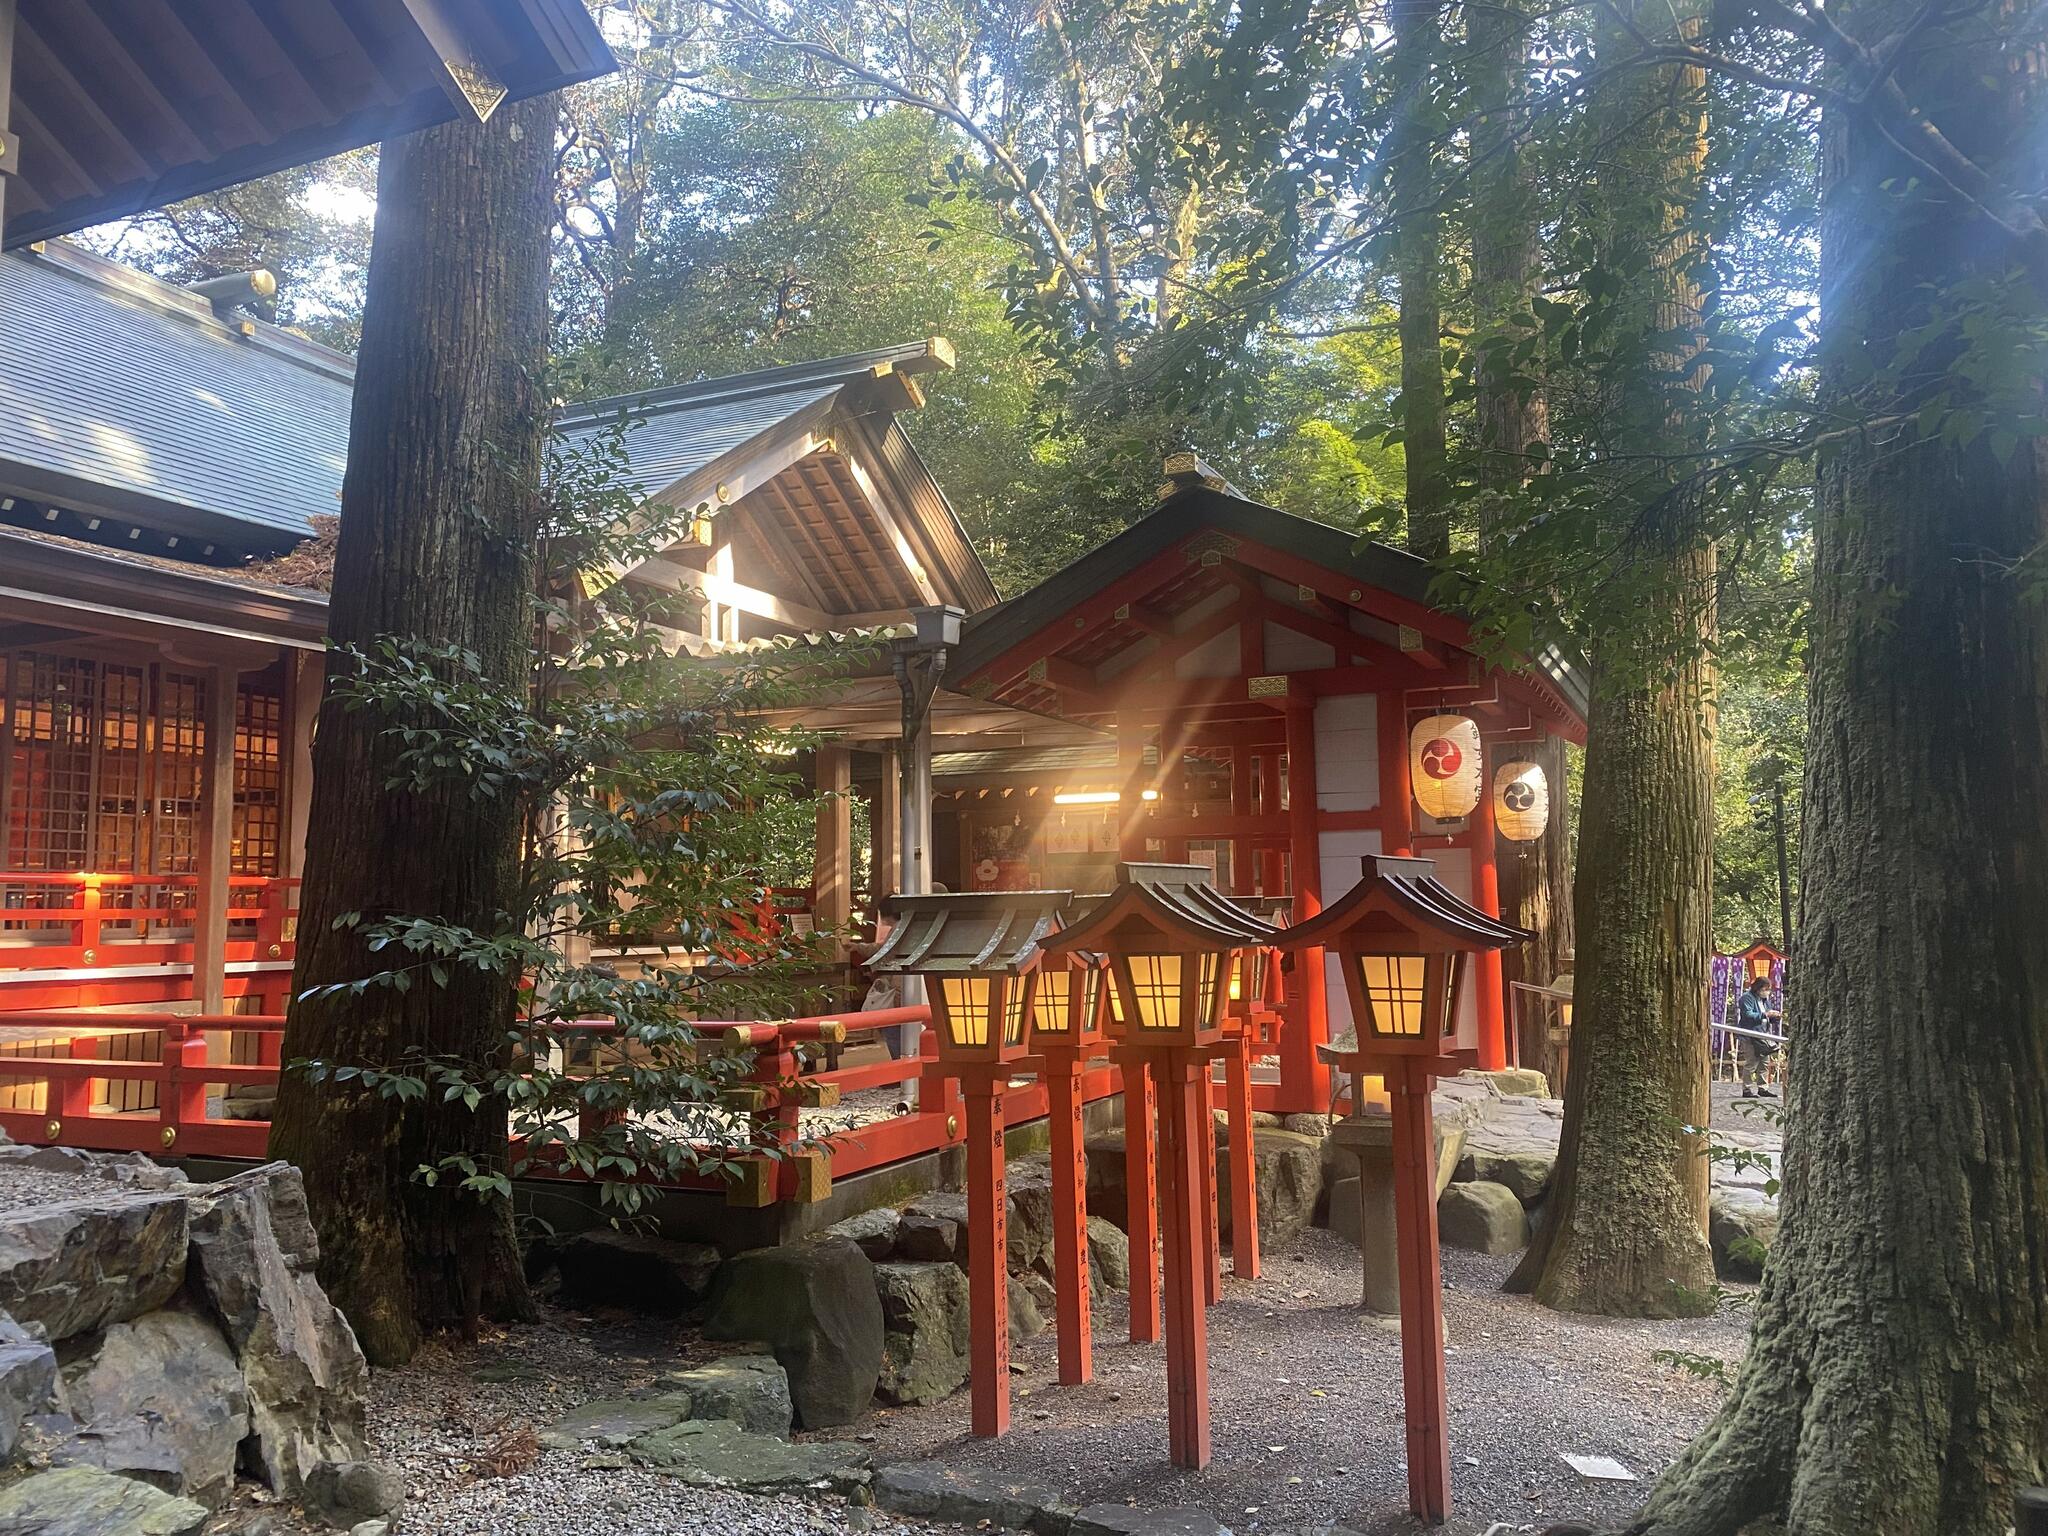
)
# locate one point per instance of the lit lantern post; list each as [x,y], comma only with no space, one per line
[978,954]
[1404,944]
[1254,1008]
[1066,1029]
[1168,936]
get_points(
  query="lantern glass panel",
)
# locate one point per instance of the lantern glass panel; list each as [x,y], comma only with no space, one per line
[966,1002]
[1067,999]
[1157,979]
[1394,986]
[1452,968]
[1017,996]
[1209,968]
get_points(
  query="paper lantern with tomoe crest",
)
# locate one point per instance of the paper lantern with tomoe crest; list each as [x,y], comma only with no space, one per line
[1444,765]
[1521,801]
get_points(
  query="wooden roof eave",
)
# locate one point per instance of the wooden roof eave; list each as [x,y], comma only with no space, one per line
[1420,904]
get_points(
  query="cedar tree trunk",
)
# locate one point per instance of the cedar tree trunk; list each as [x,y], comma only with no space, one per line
[438,523]
[1418,261]
[1897,1379]
[1626,1227]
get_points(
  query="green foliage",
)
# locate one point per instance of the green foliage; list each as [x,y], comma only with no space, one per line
[653,802]
[1696,1365]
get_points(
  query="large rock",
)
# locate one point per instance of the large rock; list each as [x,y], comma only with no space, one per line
[70,1268]
[1107,1197]
[1288,1169]
[1027,1318]
[1742,1224]
[162,1400]
[1484,1217]
[1027,1226]
[1109,1256]
[84,1501]
[966,1496]
[1526,1172]
[925,1347]
[344,1494]
[751,1391]
[30,1387]
[616,1421]
[253,1257]
[933,1229]
[603,1267]
[1122,1520]
[814,1304]
[717,1453]
[874,1232]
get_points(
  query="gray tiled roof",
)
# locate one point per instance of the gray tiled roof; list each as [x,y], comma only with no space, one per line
[664,444]
[117,393]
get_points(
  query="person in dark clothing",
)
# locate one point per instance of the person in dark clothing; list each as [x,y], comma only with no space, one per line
[1755,1012]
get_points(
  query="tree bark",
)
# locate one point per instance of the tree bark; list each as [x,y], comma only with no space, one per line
[1626,1234]
[1418,262]
[1507,264]
[1897,1380]
[439,520]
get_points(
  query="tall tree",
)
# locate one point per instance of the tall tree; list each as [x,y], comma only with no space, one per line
[1897,1379]
[1627,1227]
[1411,151]
[440,511]
[1512,434]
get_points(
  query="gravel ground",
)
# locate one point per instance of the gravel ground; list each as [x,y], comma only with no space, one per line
[1305,1396]
[21,1187]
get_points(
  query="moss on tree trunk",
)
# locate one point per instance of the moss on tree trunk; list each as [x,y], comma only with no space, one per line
[438,525]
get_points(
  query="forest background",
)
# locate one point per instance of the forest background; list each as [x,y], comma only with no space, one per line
[1139,237]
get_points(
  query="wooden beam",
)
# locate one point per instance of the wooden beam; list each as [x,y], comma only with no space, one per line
[726,592]
[832,873]
[893,527]
[1085,617]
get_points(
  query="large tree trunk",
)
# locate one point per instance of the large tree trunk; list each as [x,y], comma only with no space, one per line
[438,524]
[1897,1380]
[1507,265]
[1626,1233]
[1418,261]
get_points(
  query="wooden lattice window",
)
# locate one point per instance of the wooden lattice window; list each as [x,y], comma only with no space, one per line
[49,761]
[259,777]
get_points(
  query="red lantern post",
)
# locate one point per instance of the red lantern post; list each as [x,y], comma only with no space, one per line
[1405,943]
[978,953]
[1066,1029]
[1168,937]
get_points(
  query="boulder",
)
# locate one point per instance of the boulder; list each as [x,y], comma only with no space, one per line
[750,1390]
[1317,1126]
[30,1387]
[615,1421]
[1027,1227]
[925,1347]
[1288,1168]
[1109,1256]
[814,1304]
[923,1238]
[966,1496]
[67,1269]
[1039,1289]
[642,1273]
[1481,1216]
[1525,1172]
[873,1232]
[716,1453]
[1742,1224]
[84,1501]
[1123,1520]
[1107,1197]
[1344,1214]
[253,1256]
[160,1399]
[1026,1320]
[344,1494]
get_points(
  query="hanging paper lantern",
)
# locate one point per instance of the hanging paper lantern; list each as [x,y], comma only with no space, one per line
[1521,801]
[1443,765]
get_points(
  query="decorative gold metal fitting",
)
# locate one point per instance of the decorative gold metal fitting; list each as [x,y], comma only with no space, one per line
[952,1126]
[276,950]
[170,1136]
[89,956]
[53,1129]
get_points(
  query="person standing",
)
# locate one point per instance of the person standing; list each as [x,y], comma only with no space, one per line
[1755,1013]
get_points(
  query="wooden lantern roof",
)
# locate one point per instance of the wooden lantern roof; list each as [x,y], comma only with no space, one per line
[972,932]
[1173,903]
[123,105]
[1401,899]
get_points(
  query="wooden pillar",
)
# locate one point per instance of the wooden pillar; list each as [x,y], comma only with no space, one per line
[1489,987]
[1141,1194]
[1244,1196]
[307,679]
[1242,880]
[988,1276]
[1397,795]
[1132,780]
[1304,1079]
[216,832]
[1423,1387]
[1212,1224]
[914,828]
[885,822]
[1183,1106]
[832,866]
[1069,1218]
